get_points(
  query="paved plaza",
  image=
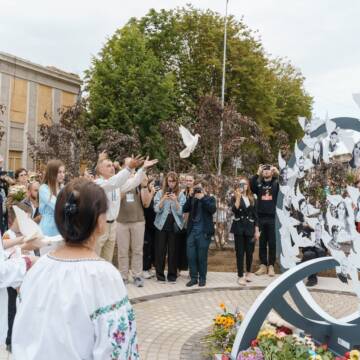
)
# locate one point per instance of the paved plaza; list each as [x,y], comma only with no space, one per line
[172,319]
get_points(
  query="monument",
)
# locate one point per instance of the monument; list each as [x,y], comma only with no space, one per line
[323,217]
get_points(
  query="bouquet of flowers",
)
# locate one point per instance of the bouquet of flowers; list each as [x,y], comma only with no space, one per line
[223,330]
[16,194]
[272,342]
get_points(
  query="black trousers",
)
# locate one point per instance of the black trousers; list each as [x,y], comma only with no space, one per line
[267,246]
[243,245]
[165,242]
[310,253]
[182,260]
[12,295]
[148,249]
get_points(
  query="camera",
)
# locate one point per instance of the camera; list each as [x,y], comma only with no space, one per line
[241,186]
[266,167]
[198,190]
[169,190]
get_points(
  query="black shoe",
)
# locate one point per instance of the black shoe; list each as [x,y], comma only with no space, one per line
[311,282]
[8,348]
[191,283]
[172,280]
[202,283]
[342,277]
[160,279]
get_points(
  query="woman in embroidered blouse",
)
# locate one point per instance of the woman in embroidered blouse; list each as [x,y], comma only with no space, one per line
[244,227]
[48,191]
[74,305]
[168,204]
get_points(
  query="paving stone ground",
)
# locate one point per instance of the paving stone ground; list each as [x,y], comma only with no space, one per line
[172,319]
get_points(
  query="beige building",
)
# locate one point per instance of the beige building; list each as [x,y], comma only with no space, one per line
[28,91]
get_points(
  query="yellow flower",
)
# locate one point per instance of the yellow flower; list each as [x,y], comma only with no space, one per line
[222,306]
[355,355]
[318,357]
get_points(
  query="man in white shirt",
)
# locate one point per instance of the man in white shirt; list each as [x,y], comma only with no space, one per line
[113,185]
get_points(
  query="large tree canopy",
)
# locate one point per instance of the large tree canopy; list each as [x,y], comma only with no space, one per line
[159,68]
[128,89]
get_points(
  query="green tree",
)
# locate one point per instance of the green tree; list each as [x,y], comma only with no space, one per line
[158,69]
[128,89]
[189,43]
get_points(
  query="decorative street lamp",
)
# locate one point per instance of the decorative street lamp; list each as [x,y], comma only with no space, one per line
[223,93]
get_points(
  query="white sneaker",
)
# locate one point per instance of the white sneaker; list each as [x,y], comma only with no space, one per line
[148,274]
[242,281]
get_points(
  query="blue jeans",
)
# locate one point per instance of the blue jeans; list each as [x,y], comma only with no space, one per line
[197,253]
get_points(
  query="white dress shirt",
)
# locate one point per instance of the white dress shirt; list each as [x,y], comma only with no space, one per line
[121,182]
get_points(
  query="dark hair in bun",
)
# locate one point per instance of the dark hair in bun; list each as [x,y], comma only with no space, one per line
[78,207]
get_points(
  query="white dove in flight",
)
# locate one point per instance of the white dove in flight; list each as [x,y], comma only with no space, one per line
[189,140]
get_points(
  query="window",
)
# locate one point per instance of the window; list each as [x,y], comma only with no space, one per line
[15,160]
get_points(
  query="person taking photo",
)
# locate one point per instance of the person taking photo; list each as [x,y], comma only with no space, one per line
[266,187]
[201,207]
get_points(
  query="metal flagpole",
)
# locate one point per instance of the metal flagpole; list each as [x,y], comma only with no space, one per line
[220,160]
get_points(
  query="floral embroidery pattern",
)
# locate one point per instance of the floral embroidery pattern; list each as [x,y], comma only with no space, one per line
[106,309]
[121,329]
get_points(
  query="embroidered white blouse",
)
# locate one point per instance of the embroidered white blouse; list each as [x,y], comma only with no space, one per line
[74,310]
[12,272]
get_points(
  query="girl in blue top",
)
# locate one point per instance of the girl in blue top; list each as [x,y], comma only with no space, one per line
[52,183]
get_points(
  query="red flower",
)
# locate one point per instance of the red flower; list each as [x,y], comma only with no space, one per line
[347,355]
[285,330]
[225,357]
[254,343]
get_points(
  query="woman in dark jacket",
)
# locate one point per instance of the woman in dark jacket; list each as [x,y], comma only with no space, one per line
[244,227]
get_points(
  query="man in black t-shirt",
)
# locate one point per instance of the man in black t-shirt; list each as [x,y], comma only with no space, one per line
[266,187]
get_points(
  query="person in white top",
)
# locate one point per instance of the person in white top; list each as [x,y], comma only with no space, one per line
[113,185]
[74,304]
[12,272]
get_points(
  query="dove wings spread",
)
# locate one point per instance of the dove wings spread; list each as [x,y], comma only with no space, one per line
[187,138]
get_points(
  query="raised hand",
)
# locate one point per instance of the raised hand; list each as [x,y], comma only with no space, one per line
[149,163]
[135,162]
[103,155]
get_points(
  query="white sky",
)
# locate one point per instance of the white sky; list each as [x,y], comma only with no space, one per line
[321,37]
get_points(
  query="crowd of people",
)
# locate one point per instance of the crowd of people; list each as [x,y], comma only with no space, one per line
[154,222]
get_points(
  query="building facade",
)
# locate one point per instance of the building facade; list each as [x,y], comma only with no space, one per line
[31,95]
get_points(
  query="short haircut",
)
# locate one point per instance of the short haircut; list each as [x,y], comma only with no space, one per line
[78,207]
[18,172]
[202,182]
[31,183]
[99,163]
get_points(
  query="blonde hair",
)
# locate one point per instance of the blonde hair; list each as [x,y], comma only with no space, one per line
[248,193]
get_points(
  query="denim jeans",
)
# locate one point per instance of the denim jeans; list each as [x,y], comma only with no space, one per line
[197,253]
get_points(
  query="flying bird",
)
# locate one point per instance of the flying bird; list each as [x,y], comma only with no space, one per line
[30,229]
[189,140]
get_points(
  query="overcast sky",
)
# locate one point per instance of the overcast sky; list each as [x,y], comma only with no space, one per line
[320,37]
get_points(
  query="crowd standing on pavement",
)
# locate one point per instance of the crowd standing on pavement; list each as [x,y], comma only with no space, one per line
[151,227]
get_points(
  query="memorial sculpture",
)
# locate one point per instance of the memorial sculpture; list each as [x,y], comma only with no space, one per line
[326,220]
